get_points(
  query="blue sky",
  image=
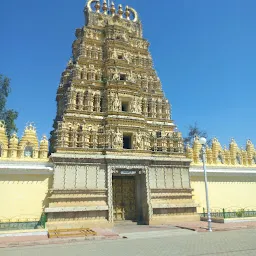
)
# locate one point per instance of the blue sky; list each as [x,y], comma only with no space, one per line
[203,51]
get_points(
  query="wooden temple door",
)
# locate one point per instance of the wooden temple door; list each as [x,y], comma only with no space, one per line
[124,198]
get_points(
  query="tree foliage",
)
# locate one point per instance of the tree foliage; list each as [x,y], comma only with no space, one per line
[194,130]
[8,115]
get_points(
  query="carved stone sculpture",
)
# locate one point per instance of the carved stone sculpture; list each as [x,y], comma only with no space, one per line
[118,139]
[116,76]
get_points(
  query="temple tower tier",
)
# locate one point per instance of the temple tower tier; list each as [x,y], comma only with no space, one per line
[113,129]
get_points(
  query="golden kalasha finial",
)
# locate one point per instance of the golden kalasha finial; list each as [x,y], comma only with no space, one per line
[30,127]
[105,7]
[196,138]
[113,9]
[97,6]
[127,13]
[214,140]
[44,139]
[248,142]
[14,135]
[120,11]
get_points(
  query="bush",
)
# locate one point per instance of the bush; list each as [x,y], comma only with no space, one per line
[240,213]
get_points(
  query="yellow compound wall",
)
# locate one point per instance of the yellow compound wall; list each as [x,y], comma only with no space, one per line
[22,196]
[229,192]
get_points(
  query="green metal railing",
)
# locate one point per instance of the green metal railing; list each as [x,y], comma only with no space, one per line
[8,224]
[227,213]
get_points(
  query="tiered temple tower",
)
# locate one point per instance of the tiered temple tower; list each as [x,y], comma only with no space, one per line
[110,96]
[117,152]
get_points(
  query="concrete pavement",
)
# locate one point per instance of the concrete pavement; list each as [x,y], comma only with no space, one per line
[233,243]
[202,226]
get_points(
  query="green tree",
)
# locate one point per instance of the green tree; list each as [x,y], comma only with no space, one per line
[194,130]
[8,115]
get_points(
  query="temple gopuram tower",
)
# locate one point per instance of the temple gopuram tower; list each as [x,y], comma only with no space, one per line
[117,154]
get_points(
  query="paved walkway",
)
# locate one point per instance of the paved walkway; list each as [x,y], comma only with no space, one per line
[127,230]
[202,226]
[232,243]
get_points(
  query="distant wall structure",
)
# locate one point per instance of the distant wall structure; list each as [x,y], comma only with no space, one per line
[218,155]
[25,177]
[28,147]
[231,176]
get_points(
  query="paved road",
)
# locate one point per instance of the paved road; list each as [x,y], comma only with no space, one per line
[240,242]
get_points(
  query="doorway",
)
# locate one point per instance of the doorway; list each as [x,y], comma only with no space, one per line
[124,198]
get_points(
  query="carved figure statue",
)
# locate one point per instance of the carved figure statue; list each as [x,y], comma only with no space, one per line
[139,107]
[114,55]
[116,76]
[147,141]
[127,57]
[124,36]
[138,140]
[118,139]
[95,140]
[116,103]
[168,112]
[136,105]
[133,108]
[131,77]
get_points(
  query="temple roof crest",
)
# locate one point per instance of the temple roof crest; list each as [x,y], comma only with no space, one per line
[30,127]
[109,9]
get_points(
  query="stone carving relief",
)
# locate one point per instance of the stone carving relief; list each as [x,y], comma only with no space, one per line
[127,57]
[146,141]
[139,44]
[114,55]
[131,77]
[116,76]
[118,139]
[138,140]
[135,106]
[92,34]
[114,102]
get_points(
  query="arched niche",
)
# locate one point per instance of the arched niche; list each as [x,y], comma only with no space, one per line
[28,151]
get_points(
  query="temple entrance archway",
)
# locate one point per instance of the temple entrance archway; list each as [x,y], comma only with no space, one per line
[124,198]
[129,194]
